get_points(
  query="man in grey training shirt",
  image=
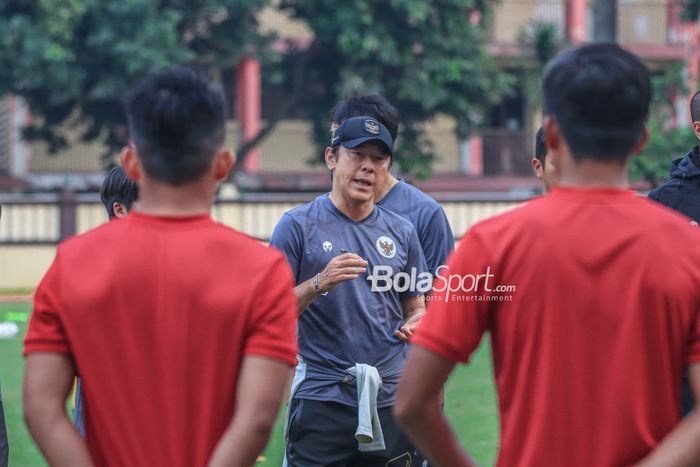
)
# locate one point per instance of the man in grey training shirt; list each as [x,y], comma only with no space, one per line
[360,275]
[397,196]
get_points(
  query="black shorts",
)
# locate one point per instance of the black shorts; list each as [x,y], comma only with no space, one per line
[323,434]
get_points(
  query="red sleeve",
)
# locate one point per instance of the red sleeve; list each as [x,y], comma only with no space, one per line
[456,317]
[272,330]
[45,332]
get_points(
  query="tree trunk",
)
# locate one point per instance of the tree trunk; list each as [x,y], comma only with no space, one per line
[296,98]
[604,20]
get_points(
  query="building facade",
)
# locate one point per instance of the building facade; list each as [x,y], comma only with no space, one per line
[495,159]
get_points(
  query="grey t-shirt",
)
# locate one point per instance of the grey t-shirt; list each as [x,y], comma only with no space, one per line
[427,217]
[352,324]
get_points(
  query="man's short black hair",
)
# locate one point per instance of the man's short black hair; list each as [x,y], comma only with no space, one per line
[118,188]
[540,148]
[372,105]
[599,96]
[176,120]
[695,107]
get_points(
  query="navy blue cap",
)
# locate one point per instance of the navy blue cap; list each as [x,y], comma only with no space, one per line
[357,130]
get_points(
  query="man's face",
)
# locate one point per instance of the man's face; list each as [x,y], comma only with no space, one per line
[358,171]
[546,172]
[381,176]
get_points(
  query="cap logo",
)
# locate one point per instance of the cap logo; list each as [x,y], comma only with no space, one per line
[372,127]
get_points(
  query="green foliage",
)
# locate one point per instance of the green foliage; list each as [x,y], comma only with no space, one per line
[664,145]
[691,10]
[73,60]
[426,57]
[541,41]
[665,142]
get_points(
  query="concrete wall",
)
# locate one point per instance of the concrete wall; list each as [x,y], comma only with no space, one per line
[290,147]
[22,266]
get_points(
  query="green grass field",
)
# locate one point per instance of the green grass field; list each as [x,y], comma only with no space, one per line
[470,403]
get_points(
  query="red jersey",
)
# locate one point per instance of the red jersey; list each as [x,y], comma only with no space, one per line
[157,314]
[592,299]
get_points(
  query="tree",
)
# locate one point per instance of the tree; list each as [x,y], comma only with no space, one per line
[73,60]
[691,10]
[427,57]
[665,142]
[541,41]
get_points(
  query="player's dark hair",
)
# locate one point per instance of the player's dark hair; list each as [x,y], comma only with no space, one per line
[695,107]
[599,96]
[372,105]
[176,120]
[540,148]
[118,188]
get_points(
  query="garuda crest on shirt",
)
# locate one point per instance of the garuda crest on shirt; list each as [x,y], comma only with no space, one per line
[386,247]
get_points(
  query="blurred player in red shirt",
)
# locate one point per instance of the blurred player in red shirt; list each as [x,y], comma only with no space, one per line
[593,314]
[163,308]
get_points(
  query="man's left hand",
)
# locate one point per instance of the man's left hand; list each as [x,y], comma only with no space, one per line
[409,326]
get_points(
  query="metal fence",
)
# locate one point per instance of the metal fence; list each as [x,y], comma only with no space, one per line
[49,218]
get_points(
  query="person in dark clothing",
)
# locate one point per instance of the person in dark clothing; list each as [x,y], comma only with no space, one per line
[682,193]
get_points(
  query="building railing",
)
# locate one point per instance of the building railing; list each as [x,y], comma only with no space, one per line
[644,22]
[639,22]
[510,17]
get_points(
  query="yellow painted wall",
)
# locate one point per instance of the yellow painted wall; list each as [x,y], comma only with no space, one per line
[22,267]
[288,148]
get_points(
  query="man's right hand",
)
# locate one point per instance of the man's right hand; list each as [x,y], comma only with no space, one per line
[345,267]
